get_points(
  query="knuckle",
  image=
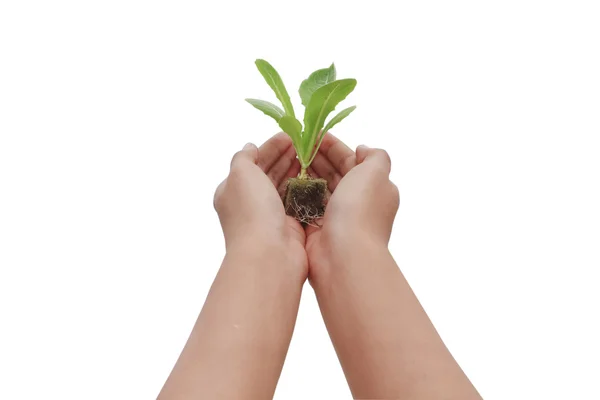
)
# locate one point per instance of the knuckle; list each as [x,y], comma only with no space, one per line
[218,197]
[394,194]
[380,161]
[236,172]
[217,202]
[236,159]
[384,157]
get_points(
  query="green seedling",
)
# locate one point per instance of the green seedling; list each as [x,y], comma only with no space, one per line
[320,94]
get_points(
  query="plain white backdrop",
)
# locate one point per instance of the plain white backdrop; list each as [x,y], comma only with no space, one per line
[119,118]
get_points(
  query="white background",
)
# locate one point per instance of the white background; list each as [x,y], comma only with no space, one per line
[118,119]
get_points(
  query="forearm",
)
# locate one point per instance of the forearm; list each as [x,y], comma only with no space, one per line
[238,345]
[386,343]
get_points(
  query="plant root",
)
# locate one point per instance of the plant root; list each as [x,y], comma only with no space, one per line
[305,199]
[306,215]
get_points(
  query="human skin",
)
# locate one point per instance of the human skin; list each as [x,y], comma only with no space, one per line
[386,344]
[238,345]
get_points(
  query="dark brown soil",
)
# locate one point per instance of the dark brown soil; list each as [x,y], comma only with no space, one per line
[305,199]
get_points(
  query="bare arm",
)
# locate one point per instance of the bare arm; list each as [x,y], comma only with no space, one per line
[385,341]
[238,345]
[386,344]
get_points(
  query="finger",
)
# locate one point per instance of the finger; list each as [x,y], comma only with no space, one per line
[291,173]
[338,154]
[361,153]
[218,195]
[377,157]
[272,150]
[249,154]
[298,231]
[282,166]
[324,169]
[313,228]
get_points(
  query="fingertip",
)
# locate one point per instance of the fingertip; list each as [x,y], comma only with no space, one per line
[251,149]
[248,153]
[378,157]
[361,153]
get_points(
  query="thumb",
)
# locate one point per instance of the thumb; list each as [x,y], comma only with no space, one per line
[376,157]
[361,153]
[314,227]
[248,154]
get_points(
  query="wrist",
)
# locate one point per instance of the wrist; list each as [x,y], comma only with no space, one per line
[342,254]
[346,246]
[268,255]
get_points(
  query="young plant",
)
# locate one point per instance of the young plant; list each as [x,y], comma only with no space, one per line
[320,94]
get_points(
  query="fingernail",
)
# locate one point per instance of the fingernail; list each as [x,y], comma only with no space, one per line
[248,146]
[364,146]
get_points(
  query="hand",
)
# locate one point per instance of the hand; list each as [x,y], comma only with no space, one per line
[239,342]
[362,207]
[250,208]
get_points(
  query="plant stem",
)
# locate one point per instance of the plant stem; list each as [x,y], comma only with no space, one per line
[303,174]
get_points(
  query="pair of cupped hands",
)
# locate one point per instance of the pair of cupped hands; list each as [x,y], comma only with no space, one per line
[360,211]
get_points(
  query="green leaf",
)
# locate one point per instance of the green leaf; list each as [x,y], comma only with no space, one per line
[274,81]
[293,128]
[268,108]
[334,121]
[321,104]
[338,118]
[317,79]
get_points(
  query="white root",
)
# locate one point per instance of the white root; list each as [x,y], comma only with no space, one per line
[306,215]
